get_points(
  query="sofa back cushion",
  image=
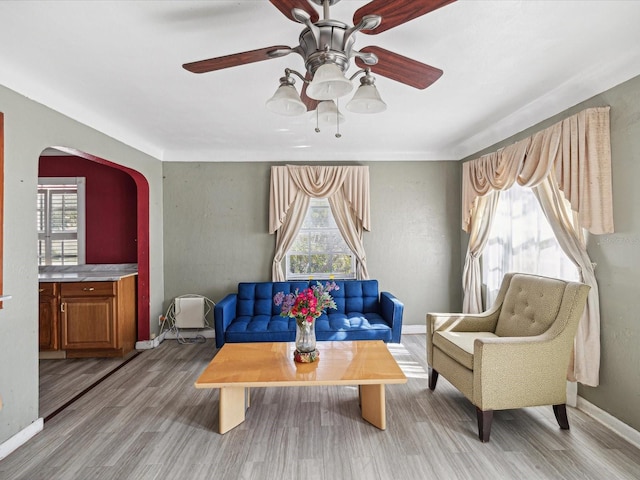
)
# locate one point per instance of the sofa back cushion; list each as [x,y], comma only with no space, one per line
[256,298]
[530,306]
[356,296]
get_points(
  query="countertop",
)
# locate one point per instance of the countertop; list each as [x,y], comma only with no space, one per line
[87,273]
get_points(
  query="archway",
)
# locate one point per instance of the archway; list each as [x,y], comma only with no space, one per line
[142,205]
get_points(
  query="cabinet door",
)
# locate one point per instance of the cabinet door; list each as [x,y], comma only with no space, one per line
[88,322]
[49,332]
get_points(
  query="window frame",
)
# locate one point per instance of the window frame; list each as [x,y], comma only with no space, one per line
[290,276]
[51,183]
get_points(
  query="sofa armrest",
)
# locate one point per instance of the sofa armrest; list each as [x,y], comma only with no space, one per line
[514,372]
[391,310]
[223,313]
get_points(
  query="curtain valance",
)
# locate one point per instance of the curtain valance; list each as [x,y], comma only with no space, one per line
[318,182]
[577,149]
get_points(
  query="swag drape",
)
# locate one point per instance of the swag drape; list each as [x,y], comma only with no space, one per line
[568,167]
[345,187]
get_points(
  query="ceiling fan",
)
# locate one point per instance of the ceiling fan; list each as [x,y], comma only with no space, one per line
[327,47]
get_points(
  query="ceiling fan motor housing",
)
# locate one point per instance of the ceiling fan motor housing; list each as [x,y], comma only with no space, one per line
[328,47]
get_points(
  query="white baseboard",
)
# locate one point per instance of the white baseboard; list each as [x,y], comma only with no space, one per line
[149,344]
[191,333]
[630,434]
[171,335]
[21,438]
[414,329]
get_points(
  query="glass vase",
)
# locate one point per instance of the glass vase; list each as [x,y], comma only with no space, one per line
[305,336]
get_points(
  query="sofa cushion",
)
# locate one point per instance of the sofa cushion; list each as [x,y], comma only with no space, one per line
[356,296]
[261,328]
[530,306]
[256,298]
[354,326]
[459,345]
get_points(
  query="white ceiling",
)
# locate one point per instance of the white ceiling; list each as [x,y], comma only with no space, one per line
[116,66]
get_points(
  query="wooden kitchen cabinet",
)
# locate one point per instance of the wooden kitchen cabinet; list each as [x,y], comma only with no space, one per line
[97,319]
[49,319]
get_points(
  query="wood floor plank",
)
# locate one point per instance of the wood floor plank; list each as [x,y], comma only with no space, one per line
[148,422]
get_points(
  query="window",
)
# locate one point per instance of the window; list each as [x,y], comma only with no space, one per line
[521,240]
[61,221]
[319,251]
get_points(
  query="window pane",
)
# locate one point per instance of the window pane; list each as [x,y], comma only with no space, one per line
[319,241]
[521,240]
[64,211]
[64,252]
[319,249]
[342,264]
[301,243]
[319,263]
[299,264]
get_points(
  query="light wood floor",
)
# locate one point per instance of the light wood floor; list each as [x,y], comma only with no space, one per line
[147,421]
[61,380]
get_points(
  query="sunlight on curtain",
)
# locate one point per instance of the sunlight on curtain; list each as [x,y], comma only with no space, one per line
[521,240]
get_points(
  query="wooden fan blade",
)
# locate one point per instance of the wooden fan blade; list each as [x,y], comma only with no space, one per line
[396,12]
[401,69]
[233,60]
[285,6]
[311,103]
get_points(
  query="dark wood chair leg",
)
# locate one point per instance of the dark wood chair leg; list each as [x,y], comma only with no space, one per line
[560,411]
[433,378]
[485,417]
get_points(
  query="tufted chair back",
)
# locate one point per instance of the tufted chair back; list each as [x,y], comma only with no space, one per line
[530,306]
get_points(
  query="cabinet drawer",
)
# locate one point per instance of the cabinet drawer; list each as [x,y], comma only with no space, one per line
[48,288]
[89,289]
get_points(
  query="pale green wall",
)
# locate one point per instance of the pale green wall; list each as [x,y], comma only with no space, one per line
[29,129]
[216,222]
[617,256]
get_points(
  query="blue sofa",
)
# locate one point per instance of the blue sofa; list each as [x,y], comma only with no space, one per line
[362,314]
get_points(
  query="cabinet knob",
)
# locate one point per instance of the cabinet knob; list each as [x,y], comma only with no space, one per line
[40,290]
[88,289]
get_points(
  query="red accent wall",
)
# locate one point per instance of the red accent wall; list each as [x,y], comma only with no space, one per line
[111,207]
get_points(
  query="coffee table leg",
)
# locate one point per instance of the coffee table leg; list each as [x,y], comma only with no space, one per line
[234,401]
[372,403]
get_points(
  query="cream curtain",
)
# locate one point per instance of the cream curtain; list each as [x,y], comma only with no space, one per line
[482,215]
[286,235]
[585,365]
[347,189]
[351,229]
[572,158]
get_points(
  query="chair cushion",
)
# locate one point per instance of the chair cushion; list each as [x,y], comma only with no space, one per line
[459,345]
[530,306]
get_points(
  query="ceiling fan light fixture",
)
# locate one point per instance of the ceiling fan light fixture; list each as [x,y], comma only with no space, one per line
[286,100]
[327,114]
[366,100]
[328,83]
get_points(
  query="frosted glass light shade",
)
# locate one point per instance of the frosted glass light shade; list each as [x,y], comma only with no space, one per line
[366,100]
[328,83]
[286,101]
[327,114]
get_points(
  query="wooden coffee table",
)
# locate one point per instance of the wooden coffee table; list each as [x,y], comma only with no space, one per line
[239,366]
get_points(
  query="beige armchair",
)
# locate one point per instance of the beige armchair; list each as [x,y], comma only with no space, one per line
[514,355]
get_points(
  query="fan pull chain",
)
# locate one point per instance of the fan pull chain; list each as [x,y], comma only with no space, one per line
[338,135]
